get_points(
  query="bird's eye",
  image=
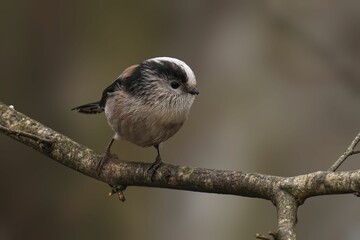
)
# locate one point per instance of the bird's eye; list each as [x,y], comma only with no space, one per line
[175,85]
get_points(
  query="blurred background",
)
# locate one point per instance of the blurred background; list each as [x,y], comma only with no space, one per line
[279,89]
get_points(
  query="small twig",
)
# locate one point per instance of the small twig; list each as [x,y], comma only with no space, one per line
[119,189]
[263,237]
[260,236]
[46,143]
[354,152]
[273,235]
[349,151]
[9,131]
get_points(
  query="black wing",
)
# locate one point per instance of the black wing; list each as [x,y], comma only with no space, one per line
[118,84]
[115,86]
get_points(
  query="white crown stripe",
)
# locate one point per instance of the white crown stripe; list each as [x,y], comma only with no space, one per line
[190,74]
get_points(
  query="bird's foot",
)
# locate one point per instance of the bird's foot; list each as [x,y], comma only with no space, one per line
[152,169]
[103,160]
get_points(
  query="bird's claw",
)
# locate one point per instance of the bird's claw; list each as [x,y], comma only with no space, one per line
[155,166]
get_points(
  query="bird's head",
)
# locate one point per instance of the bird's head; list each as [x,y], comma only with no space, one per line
[162,79]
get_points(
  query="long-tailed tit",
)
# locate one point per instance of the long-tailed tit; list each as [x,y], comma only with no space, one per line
[147,104]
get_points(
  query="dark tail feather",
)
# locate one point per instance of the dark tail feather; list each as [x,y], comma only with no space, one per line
[90,108]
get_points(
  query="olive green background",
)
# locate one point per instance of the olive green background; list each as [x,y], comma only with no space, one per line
[279,89]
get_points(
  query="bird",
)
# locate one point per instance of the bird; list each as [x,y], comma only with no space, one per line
[146,105]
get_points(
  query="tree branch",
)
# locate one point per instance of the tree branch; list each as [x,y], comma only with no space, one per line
[287,215]
[287,193]
[349,151]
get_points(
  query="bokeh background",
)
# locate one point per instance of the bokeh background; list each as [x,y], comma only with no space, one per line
[279,89]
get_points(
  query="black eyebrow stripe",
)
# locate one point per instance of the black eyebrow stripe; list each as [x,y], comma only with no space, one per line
[168,69]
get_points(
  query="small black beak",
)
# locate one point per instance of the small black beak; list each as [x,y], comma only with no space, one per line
[194,91]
